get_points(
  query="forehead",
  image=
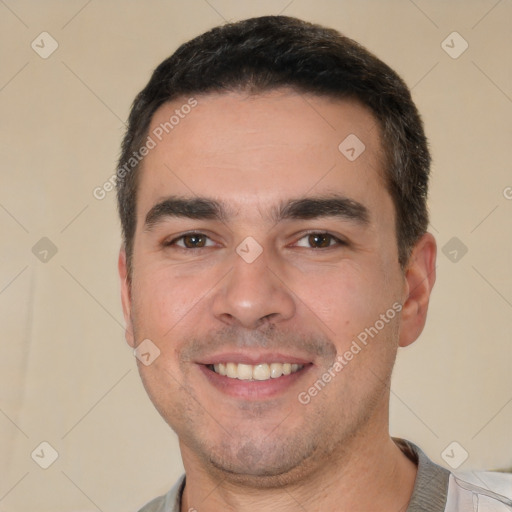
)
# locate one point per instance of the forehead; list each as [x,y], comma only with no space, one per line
[253,149]
[229,119]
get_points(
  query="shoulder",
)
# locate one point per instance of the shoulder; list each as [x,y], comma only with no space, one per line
[169,502]
[439,490]
[155,505]
[481,490]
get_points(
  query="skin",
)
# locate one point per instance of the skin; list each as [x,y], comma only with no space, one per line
[272,452]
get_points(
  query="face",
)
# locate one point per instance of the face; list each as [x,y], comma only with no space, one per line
[265,272]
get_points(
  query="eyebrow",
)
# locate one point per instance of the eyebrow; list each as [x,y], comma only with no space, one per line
[204,208]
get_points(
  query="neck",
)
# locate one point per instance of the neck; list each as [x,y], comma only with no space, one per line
[376,471]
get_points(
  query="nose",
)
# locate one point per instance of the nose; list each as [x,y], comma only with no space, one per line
[253,294]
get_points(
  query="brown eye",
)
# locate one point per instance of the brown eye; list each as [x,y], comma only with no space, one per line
[190,241]
[320,240]
[194,241]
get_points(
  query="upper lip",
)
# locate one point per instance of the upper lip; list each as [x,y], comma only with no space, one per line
[253,358]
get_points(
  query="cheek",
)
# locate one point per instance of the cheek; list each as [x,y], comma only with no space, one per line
[163,299]
[345,299]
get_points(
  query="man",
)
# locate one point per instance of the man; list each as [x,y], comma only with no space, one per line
[272,191]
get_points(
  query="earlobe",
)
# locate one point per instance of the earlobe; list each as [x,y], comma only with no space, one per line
[125,296]
[420,277]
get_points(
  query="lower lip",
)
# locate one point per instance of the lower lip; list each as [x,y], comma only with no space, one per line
[254,389]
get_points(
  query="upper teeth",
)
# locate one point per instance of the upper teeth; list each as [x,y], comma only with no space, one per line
[262,371]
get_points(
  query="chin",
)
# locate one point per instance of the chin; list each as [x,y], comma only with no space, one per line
[267,466]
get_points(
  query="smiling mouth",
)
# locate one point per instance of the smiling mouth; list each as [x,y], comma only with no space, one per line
[260,372]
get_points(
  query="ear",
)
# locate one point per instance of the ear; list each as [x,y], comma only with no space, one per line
[126,297]
[420,276]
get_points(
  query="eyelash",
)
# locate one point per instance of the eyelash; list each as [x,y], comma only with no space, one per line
[339,242]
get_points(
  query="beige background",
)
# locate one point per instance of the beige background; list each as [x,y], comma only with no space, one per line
[67,376]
